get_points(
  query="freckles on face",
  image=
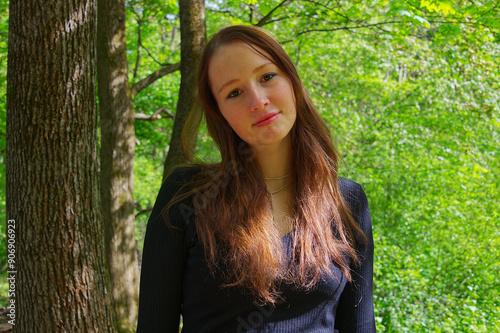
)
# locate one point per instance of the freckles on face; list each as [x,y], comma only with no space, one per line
[254,96]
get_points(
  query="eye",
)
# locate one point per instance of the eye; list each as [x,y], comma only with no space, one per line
[268,76]
[234,93]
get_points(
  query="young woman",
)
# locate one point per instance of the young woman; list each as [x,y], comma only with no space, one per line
[269,239]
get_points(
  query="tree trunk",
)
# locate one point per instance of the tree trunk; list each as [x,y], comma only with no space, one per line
[117,162]
[57,270]
[193,40]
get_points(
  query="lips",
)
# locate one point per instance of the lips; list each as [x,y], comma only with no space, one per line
[267,119]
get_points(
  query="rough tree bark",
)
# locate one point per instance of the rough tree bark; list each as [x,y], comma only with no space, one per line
[53,203]
[193,40]
[117,116]
[117,162]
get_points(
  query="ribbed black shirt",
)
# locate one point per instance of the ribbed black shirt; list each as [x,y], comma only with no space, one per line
[175,280]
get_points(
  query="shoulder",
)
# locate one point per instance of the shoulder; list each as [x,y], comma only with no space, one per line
[182,174]
[178,182]
[351,191]
[348,185]
[355,198]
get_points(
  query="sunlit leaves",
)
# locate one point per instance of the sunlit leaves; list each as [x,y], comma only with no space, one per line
[441,7]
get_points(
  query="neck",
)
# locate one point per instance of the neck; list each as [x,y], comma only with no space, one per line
[275,160]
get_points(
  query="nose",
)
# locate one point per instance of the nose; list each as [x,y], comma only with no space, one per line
[258,99]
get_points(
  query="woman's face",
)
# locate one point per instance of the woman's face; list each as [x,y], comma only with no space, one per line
[253,94]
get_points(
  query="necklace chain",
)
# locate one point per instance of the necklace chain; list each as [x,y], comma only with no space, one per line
[278,190]
[282,187]
[272,201]
[277,178]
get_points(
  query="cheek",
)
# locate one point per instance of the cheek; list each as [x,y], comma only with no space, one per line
[287,93]
[231,118]
[224,114]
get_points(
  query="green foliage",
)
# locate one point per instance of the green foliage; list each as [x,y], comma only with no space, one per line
[159,43]
[148,171]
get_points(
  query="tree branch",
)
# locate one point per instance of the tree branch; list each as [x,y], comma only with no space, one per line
[139,21]
[4,268]
[263,21]
[148,80]
[156,115]
[224,11]
[286,17]
[318,4]
[144,211]
[139,43]
[339,28]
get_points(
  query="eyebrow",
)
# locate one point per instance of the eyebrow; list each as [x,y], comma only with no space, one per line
[253,72]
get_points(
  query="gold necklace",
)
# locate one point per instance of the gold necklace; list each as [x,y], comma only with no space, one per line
[278,178]
[274,192]
[282,187]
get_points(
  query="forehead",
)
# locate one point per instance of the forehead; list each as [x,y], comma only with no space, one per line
[237,47]
[234,58]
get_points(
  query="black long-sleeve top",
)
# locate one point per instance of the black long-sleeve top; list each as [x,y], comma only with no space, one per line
[175,280]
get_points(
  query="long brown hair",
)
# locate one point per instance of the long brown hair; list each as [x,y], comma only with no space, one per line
[231,200]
